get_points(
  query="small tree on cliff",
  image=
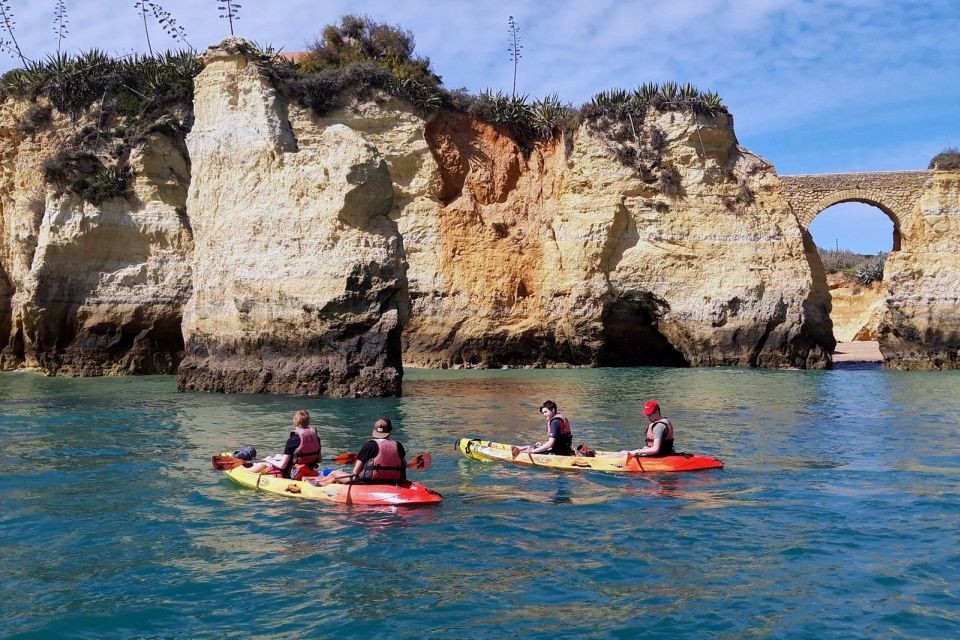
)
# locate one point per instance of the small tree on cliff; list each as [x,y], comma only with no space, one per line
[60,21]
[164,19]
[9,44]
[514,50]
[229,10]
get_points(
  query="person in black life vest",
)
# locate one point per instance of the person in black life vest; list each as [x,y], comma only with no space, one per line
[301,454]
[382,460]
[659,436]
[559,434]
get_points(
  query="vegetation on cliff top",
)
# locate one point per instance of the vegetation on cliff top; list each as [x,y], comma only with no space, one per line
[866,269]
[359,54]
[127,98]
[946,160]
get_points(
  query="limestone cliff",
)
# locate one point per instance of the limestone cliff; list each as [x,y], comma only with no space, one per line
[558,258]
[90,289]
[857,310]
[921,329]
[298,275]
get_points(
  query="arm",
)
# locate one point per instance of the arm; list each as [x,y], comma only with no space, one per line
[653,449]
[540,448]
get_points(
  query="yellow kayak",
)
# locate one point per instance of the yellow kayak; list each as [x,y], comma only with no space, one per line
[615,461]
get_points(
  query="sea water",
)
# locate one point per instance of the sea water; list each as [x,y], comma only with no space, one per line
[836,516]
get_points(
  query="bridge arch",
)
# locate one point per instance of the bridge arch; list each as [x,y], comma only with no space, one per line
[896,193]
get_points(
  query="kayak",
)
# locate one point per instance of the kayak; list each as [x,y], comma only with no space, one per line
[407,493]
[477,449]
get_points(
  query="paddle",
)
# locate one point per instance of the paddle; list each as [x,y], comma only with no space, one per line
[630,454]
[515,451]
[225,463]
[420,462]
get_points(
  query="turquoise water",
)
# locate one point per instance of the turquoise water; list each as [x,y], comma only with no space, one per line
[837,515]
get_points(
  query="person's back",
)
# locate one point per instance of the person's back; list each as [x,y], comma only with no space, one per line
[383,461]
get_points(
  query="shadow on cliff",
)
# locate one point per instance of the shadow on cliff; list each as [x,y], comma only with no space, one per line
[630,334]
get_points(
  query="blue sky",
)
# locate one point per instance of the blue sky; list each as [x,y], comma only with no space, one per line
[814,85]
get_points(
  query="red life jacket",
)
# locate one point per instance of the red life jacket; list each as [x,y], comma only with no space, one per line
[666,442]
[308,453]
[562,444]
[387,466]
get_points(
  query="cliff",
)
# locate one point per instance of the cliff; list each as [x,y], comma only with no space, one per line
[298,273]
[274,249]
[576,258]
[90,289]
[921,327]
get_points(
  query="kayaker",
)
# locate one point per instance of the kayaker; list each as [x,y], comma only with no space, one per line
[659,437]
[559,434]
[382,460]
[301,454]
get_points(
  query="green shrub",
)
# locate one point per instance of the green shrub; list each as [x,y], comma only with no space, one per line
[946,160]
[83,174]
[358,39]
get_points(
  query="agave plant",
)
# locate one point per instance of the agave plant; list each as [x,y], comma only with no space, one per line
[688,93]
[669,92]
[873,271]
[548,113]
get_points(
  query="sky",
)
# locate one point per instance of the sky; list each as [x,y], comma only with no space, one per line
[815,86]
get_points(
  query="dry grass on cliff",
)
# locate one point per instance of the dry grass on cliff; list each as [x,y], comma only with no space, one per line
[864,268]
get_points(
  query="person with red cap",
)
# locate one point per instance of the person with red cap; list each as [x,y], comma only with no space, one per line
[659,438]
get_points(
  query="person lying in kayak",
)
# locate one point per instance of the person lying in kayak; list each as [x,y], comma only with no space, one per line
[659,437]
[381,460]
[301,455]
[559,434]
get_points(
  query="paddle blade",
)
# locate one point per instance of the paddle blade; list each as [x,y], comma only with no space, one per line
[345,458]
[224,463]
[421,462]
[514,451]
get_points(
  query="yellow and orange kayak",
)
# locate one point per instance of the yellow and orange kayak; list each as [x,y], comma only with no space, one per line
[408,493]
[615,461]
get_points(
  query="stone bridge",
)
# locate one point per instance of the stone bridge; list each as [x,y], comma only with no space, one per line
[896,193]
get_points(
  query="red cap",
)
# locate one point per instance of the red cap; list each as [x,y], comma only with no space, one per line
[650,406]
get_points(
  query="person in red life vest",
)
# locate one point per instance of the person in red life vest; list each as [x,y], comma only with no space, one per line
[659,437]
[381,460]
[301,454]
[559,435]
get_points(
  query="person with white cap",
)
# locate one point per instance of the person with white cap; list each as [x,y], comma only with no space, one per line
[659,437]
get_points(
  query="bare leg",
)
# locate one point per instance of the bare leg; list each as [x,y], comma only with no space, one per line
[337,475]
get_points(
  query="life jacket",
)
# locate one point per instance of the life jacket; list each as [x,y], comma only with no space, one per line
[387,466]
[308,453]
[562,444]
[666,443]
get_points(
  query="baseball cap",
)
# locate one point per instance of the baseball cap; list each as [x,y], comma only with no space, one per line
[650,406]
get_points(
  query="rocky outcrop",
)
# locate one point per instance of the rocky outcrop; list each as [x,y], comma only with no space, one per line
[298,274]
[558,258]
[85,289]
[922,327]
